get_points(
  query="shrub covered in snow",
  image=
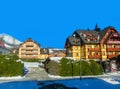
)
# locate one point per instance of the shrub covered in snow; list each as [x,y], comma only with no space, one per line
[9,66]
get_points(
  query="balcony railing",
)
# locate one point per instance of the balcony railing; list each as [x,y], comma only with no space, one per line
[94,56]
[93,49]
[113,49]
[111,55]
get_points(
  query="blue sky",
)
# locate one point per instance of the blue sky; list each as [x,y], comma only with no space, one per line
[50,22]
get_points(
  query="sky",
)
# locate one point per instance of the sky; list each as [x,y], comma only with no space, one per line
[50,22]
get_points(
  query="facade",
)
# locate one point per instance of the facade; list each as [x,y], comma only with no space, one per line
[57,53]
[31,50]
[99,45]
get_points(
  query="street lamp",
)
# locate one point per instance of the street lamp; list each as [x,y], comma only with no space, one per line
[80,64]
[72,67]
[80,69]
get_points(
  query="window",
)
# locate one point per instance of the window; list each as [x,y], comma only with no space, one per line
[95,46]
[76,47]
[89,53]
[96,53]
[89,46]
[103,46]
[77,54]
[109,46]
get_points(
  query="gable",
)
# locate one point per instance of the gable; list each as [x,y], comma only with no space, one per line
[106,33]
[114,38]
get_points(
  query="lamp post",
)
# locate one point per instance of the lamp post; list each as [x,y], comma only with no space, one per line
[80,64]
[72,67]
[80,70]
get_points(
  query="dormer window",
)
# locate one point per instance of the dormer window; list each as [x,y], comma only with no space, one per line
[74,35]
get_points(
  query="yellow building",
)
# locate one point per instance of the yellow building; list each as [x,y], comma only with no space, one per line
[31,50]
[96,44]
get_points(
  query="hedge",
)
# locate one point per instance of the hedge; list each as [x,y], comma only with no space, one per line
[69,67]
[10,66]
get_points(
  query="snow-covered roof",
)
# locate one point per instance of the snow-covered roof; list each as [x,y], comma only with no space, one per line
[59,58]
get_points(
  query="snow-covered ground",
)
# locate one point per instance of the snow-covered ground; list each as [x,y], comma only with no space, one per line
[31,64]
[11,78]
[112,80]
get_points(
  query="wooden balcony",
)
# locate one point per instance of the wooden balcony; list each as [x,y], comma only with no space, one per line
[111,56]
[94,49]
[93,56]
[113,49]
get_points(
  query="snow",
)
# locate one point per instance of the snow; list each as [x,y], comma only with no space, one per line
[52,76]
[111,80]
[11,78]
[9,41]
[31,64]
[57,59]
[51,50]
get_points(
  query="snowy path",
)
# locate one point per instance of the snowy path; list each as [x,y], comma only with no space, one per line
[36,73]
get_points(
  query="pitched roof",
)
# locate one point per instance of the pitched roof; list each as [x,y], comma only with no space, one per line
[30,40]
[74,41]
[103,32]
[88,36]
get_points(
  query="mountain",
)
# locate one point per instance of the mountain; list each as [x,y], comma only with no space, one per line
[9,41]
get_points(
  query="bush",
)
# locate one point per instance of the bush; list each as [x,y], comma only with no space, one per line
[65,67]
[96,69]
[76,68]
[85,68]
[53,68]
[10,66]
[69,67]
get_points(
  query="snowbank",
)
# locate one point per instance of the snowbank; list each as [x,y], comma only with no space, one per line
[111,80]
[11,78]
[30,64]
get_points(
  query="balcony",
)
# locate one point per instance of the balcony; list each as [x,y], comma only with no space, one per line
[113,49]
[94,49]
[93,56]
[29,53]
[29,45]
[111,56]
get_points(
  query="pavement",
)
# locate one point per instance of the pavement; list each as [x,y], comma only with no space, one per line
[36,73]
